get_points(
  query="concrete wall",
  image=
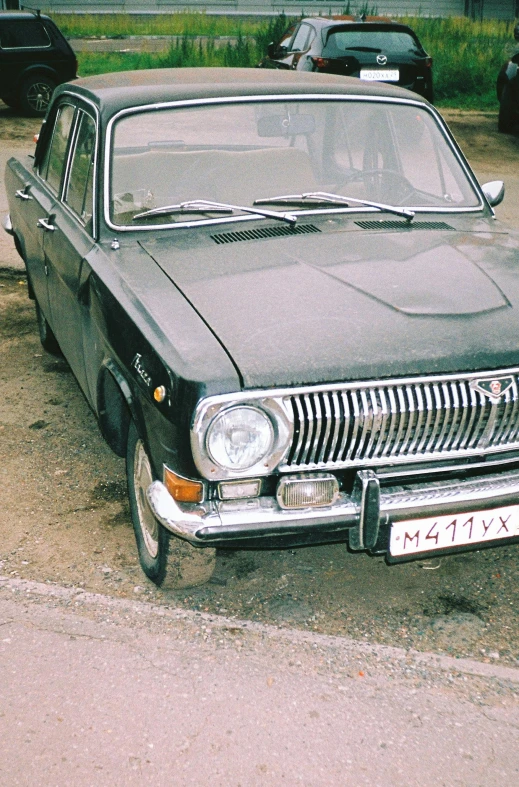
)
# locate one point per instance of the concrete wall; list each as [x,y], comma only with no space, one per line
[497,9]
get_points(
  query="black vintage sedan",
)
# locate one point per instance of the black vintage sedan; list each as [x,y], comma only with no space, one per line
[289,305]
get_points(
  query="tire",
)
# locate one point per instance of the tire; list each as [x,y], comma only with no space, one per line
[35,95]
[506,118]
[47,338]
[10,101]
[168,561]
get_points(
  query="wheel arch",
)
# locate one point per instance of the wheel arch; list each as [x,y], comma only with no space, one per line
[115,406]
[37,69]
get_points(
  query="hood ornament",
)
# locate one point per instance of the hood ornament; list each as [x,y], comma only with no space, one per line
[494,388]
[381,60]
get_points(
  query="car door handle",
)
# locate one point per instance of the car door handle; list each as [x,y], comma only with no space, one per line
[45,224]
[23,193]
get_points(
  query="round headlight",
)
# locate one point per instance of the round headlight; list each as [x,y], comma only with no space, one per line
[239,438]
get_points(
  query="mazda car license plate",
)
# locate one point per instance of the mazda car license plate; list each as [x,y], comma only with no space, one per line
[380,74]
[455,530]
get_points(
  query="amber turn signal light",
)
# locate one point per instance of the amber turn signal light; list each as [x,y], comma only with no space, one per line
[159,394]
[182,489]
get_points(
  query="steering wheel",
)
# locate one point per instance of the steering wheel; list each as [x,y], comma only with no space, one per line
[381,180]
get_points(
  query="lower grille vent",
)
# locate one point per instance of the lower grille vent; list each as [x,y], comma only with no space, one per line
[264,232]
[386,224]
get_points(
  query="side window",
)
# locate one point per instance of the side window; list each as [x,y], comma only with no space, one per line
[79,196]
[30,34]
[299,42]
[53,163]
[287,37]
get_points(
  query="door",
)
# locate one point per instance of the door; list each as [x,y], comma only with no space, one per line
[38,192]
[68,239]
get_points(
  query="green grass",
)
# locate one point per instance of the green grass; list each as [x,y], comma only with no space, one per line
[179,23]
[467,55]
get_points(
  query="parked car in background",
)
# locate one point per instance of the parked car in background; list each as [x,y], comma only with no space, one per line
[370,48]
[293,330]
[508,92]
[34,58]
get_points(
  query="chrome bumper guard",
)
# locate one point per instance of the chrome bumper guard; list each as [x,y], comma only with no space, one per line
[369,506]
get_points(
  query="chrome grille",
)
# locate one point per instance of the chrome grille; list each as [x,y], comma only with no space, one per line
[400,422]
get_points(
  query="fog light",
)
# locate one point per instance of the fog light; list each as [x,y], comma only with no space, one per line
[233,490]
[307,490]
[183,489]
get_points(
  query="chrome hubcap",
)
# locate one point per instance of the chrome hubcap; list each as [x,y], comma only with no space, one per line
[142,478]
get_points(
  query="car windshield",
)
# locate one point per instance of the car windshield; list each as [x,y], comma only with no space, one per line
[239,153]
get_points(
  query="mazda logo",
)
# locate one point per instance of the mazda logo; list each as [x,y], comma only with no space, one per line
[381,60]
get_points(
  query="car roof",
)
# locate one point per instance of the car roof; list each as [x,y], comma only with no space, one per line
[118,90]
[357,21]
[18,15]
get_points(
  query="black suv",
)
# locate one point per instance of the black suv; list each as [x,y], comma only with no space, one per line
[508,92]
[371,48]
[34,58]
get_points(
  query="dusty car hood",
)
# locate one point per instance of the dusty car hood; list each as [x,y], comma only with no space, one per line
[342,305]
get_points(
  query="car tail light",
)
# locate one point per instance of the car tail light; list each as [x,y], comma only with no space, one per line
[428,62]
[320,62]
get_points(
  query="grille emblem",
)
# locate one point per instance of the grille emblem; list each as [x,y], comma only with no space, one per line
[494,389]
[381,60]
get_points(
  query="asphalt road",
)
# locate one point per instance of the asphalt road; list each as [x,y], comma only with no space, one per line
[97,691]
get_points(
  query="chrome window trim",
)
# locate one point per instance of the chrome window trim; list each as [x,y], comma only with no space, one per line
[76,104]
[276,403]
[57,192]
[278,98]
[64,196]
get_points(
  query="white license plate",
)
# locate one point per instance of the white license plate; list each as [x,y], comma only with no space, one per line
[380,74]
[454,530]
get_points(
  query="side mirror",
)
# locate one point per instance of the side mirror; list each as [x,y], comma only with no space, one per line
[494,192]
[271,49]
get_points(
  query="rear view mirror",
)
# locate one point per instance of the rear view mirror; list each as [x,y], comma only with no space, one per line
[285,125]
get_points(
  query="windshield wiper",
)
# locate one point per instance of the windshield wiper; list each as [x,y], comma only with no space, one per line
[207,206]
[334,199]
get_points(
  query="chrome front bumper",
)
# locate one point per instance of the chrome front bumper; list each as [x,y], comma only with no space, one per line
[362,512]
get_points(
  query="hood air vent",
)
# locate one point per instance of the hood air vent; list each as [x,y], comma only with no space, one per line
[264,232]
[385,224]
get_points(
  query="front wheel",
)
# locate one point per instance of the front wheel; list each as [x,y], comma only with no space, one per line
[167,560]
[10,101]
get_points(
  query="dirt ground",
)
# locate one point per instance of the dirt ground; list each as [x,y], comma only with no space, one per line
[64,517]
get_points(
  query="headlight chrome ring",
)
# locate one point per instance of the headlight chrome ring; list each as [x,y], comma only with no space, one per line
[239,438]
